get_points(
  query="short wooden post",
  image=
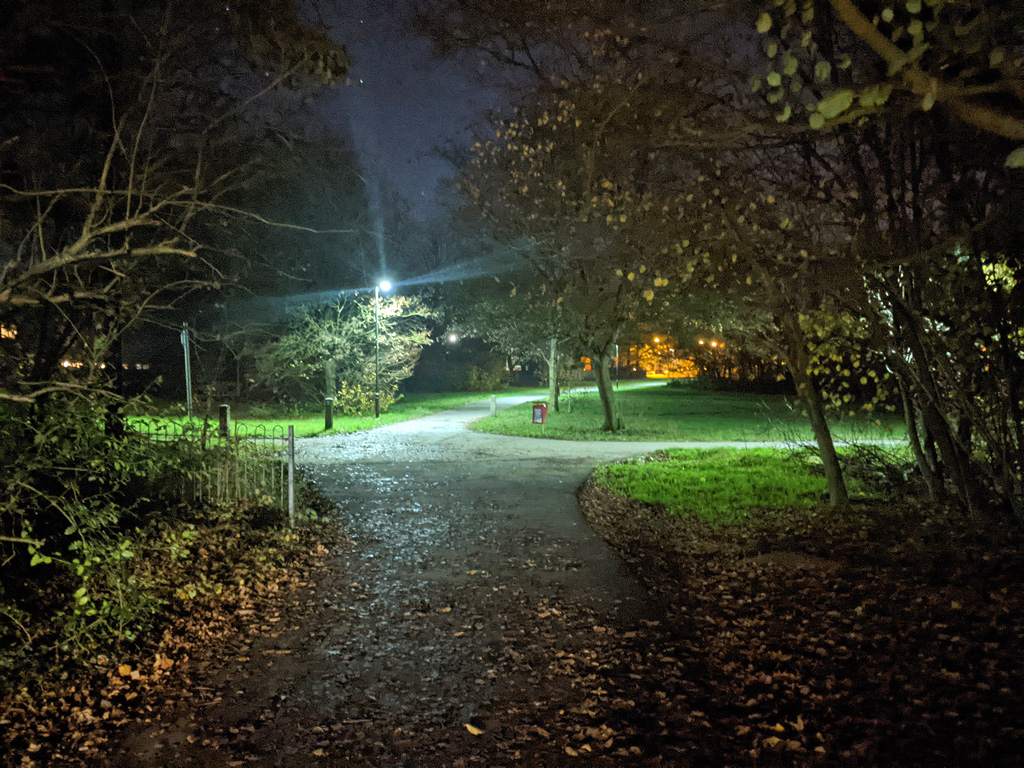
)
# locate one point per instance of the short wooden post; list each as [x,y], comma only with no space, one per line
[224,429]
[494,405]
[328,413]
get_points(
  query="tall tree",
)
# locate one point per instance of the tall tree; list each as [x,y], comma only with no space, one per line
[121,158]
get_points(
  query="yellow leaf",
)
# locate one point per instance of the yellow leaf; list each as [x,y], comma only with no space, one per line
[772,741]
[124,670]
[474,730]
[630,277]
[649,295]
[764,23]
[778,727]
[571,752]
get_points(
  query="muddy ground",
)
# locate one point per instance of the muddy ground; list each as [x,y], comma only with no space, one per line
[476,616]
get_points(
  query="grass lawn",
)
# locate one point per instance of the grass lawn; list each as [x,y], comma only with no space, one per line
[686,413]
[310,423]
[722,485]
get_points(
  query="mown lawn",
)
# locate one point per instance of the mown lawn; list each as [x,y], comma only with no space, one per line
[310,422]
[723,485]
[687,412]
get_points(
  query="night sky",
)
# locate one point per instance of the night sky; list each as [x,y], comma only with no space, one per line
[403,101]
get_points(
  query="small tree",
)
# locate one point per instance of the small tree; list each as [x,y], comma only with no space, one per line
[330,351]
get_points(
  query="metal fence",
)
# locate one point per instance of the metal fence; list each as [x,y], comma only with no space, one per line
[246,464]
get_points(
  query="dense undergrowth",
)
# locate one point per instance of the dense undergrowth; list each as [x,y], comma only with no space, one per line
[100,536]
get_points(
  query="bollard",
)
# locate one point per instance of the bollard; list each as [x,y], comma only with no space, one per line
[328,413]
[494,405]
[224,429]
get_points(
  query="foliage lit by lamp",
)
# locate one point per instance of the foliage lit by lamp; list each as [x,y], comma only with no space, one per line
[383,285]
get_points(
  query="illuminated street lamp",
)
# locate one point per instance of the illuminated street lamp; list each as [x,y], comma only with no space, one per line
[385,286]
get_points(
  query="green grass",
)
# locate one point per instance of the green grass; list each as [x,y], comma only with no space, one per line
[686,413]
[722,485]
[310,423]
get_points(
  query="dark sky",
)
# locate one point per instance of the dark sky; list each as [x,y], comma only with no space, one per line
[403,102]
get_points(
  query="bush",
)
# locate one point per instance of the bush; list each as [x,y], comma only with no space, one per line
[487,379]
[356,400]
[73,499]
[89,510]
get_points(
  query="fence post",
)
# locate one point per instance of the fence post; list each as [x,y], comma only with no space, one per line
[225,421]
[328,413]
[494,405]
[291,475]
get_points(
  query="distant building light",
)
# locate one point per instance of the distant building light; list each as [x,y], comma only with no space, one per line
[700,341]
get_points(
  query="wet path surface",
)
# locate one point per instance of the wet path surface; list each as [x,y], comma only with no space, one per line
[471,575]
[466,529]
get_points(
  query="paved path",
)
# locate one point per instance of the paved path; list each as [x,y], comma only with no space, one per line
[467,547]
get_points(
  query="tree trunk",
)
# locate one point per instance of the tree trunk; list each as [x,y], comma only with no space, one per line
[552,361]
[799,362]
[604,389]
[910,417]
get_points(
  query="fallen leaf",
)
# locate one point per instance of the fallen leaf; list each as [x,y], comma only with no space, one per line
[474,730]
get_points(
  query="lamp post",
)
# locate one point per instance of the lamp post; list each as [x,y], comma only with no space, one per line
[385,286]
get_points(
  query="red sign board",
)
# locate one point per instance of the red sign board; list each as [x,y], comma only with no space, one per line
[540,413]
